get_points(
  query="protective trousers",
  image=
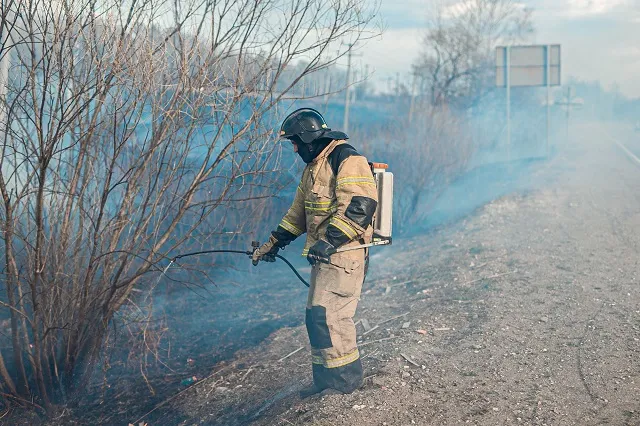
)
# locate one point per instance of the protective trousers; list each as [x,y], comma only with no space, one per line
[333,297]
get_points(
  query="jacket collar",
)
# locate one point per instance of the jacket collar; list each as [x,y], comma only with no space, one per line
[325,152]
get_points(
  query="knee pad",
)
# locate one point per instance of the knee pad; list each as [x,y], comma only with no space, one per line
[317,328]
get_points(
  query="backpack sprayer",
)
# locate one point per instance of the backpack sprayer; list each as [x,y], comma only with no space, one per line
[383,219]
[382,222]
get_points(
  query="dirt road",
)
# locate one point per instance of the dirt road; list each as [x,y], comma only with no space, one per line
[527,312]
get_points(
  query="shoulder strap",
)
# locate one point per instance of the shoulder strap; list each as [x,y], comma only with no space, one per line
[339,154]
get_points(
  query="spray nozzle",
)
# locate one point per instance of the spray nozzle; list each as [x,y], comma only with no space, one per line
[254,247]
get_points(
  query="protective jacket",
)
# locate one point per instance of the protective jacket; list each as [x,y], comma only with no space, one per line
[335,200]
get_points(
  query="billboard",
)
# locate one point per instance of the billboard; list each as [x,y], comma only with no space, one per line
[528,65]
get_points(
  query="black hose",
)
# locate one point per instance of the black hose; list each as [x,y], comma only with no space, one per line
[295,271]
[248,253]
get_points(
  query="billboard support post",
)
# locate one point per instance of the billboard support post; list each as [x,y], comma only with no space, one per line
[508,83]
[532,66]
[569,103]
[548,49]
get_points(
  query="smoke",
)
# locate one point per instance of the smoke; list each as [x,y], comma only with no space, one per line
[217,305]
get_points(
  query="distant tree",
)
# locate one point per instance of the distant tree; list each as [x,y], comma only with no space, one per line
[124,127]
[456,66]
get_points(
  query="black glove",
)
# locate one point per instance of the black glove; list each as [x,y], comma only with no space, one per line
[320,252]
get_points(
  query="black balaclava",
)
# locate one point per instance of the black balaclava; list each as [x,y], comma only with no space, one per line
[309,151]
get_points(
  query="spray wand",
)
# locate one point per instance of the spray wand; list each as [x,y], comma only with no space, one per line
[382,224]
[254,247]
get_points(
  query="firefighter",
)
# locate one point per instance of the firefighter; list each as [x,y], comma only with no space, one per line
[334,204]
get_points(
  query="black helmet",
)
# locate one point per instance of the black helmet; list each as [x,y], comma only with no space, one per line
[305,123]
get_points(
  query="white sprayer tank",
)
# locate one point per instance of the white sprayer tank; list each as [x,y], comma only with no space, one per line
[382,225]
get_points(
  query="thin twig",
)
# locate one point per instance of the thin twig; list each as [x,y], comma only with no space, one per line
[401,283]
[214,387]
[292,353]
[26,401]
[489,278]
[394,318]
[371,354]
[384,322]
[370,330]
[409,360]
[246,374]
[376,341]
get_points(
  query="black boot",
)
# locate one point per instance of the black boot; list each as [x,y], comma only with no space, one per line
[316,390]
[345,379]
[311,390]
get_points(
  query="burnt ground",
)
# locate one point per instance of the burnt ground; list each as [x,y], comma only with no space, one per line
[527,311]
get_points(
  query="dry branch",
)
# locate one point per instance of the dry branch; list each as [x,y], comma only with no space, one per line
[409,360]
[377,341]
[489,278]
[394,318]
[291,353]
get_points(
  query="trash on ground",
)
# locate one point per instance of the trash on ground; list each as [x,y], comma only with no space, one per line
[189,381]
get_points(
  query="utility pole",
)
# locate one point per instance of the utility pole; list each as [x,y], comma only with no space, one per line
[421,90]
[413,95]
[365,81]
[569,92]
[548,78]
[327,84]
[569,103]
[355,80]
[345,124]
[508,82]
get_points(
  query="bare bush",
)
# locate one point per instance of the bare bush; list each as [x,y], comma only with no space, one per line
[424,155]
[125,127]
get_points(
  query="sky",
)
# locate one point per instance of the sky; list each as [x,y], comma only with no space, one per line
[600,39]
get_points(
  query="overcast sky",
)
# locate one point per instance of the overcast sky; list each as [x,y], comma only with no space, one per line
[600,39]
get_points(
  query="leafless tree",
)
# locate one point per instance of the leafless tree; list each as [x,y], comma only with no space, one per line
[456,66]
[125,127]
